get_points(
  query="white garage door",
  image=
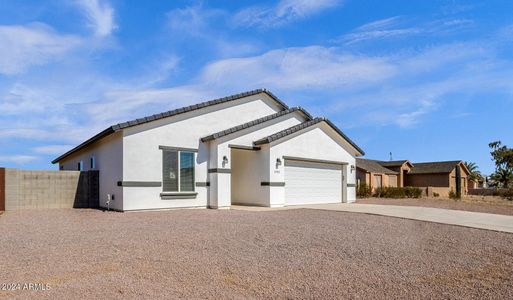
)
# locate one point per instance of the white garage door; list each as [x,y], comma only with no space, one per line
[312,183]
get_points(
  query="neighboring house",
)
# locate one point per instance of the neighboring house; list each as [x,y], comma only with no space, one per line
[440,177]
[443,176]
[249,149]
[376,173]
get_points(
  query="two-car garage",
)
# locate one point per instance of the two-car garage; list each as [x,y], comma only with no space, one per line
[309,182]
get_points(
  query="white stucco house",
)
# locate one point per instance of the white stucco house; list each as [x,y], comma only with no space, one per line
[245,149]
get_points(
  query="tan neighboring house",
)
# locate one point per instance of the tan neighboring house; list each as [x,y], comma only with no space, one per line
[433,177]
[441,176]
[375,173]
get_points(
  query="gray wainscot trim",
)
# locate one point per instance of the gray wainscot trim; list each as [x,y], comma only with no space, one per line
[177,149]
[182,195]
[240,147]
[351,185]
[321,161]
[266,183]
[220,170]
[203,183]
[140,183]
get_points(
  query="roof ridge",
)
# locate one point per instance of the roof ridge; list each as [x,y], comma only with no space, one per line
[254,123]
[113,128]
[301,126]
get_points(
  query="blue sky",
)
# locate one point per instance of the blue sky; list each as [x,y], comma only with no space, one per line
[425,80]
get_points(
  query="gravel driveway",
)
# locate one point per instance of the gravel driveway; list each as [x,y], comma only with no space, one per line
[241,254]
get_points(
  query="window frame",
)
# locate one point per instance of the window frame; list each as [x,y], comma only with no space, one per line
[178,151]
[81,166]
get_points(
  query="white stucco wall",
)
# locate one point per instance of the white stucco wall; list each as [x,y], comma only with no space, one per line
[143,158]
[316,142]
[108,153]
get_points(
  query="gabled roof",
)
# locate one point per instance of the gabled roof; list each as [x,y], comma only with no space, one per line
[255,122]
[373,166]
[395,163]
[299,127]
[436,167]
[167,114]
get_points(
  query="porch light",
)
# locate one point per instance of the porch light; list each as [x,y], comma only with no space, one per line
[278,162]
[225,161]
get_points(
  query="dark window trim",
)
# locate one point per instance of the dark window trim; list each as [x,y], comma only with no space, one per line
[313,160]
[140,183]
[178,149]
[182,195]
[220,170]
[240,147]
[266,183]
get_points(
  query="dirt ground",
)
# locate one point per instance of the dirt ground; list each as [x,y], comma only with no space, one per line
[493,205]
[241,254]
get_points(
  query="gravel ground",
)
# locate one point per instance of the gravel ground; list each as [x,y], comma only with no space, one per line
[474,203]
[241,254]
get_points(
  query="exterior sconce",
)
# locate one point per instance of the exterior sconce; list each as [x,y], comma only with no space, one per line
[352,168]
[225,161]
[278,163]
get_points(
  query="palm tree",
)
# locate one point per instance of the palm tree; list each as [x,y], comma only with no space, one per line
[503,176]
[475,175]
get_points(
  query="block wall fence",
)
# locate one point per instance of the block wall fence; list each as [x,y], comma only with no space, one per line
[26,189]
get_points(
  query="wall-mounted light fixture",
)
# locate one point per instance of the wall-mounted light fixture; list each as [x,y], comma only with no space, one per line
[225,161]
[278,163]
[352,168]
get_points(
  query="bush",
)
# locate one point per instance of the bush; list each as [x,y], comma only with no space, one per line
[508,194]
[436,195]
[398,192]
[363,191]
[453,195]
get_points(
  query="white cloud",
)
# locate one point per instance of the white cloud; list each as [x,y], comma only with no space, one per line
[17,159]
[22,46]
[286,11]
[411,118]
[100,16]
[52,149]
[299,68]
[399,26]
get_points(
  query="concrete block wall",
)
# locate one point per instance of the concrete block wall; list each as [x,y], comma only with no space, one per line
[50,189]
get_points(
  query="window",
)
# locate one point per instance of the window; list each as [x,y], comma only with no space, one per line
[80,166]
[377,181]
[92,163]
[178,171]
[392,180]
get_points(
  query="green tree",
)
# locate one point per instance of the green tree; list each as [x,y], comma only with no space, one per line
[475,175]
[503,158]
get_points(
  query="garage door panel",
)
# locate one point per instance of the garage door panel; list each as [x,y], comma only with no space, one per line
[312,183]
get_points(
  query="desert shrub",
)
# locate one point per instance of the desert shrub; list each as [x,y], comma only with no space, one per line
[453,195]
[436,195]
[363,191]
[508,194]
[412,192]
[398,192]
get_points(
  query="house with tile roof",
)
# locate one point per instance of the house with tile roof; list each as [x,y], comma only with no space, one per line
[245,149]
[434,177]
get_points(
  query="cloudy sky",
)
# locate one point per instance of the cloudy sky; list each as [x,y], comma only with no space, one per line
[425,80]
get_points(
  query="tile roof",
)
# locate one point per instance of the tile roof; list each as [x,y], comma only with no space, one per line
[255,122]
[373,166]
[167,114]
[434,167]
[393,163]
[299,127]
